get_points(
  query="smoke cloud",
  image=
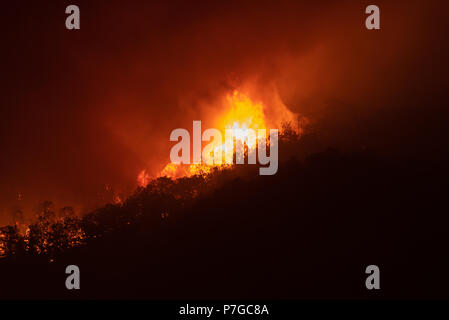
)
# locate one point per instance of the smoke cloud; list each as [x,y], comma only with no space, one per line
[87,110]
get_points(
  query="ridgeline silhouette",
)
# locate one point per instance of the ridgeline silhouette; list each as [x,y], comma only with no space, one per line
[307,232]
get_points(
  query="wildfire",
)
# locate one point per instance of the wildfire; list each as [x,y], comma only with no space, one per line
[242,114]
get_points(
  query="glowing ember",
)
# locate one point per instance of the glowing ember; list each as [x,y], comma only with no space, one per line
[116,199]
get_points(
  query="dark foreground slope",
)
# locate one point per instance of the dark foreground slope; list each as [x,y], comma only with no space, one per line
[307,232]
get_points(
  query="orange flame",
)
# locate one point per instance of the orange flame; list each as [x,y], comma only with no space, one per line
[243,114]
[143,178]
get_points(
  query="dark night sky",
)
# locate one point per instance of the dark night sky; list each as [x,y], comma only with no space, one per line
[81,109]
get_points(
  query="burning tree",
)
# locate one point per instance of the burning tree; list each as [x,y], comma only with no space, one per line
[49,234]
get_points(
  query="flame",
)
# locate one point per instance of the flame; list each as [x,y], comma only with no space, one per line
[242,114]
[143,178]
[116,199]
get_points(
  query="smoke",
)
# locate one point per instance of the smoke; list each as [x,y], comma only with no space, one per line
[89,108]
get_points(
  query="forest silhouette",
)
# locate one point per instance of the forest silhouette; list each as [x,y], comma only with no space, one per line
[307,232]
